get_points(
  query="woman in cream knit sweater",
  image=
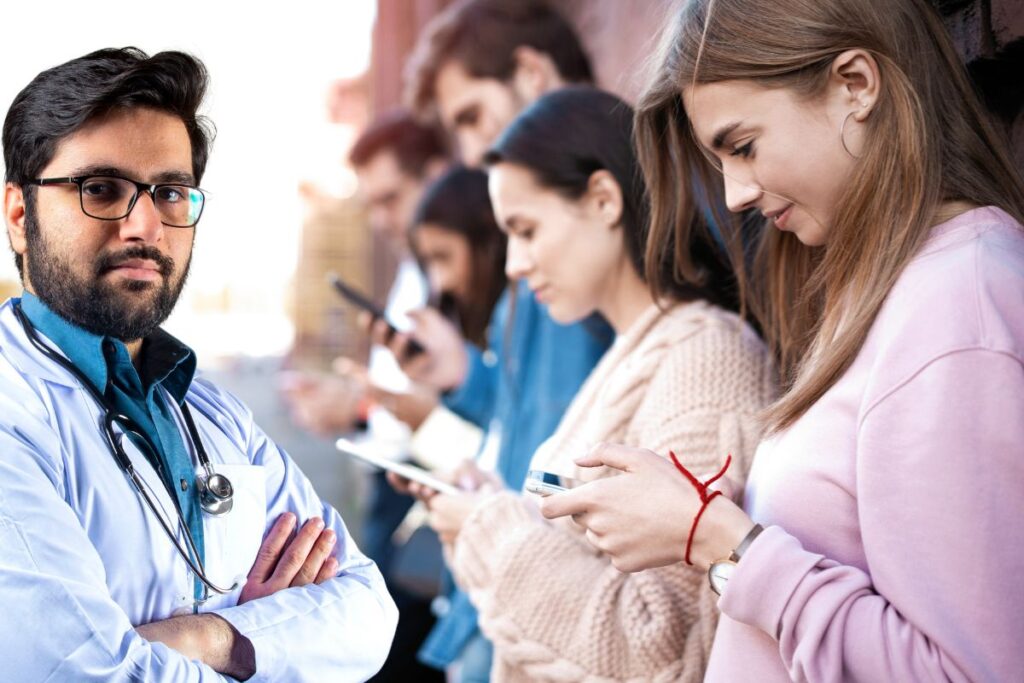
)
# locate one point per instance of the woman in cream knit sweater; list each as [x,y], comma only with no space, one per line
[687,375]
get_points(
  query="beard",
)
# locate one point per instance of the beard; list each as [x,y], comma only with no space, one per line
[127,310]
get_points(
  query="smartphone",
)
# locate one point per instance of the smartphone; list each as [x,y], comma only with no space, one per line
[360,300]
[547,483]
[402,469]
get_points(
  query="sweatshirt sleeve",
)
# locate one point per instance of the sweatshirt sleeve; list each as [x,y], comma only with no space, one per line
[939,479]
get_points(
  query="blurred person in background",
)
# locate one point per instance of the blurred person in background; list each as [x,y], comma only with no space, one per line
[685,373]
[456,240]
[475,67]
[395,159]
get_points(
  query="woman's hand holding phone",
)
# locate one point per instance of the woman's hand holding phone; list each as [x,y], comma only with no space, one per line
[443,363]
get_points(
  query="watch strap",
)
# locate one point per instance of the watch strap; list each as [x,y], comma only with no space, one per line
[745,543]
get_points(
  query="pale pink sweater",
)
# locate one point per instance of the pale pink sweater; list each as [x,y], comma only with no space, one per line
[895,507]
[692,379]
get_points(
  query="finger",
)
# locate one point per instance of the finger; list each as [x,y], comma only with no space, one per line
[315,560]
[297,551]
[612,455]
[328,570]
[399,483]
[270,549]
[564,504]
[380,332]
[365,321]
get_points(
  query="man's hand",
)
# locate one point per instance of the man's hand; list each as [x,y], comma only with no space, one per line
[281,562]
[443,363]
[208,638]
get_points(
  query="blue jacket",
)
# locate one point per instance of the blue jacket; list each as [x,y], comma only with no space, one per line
[516,392]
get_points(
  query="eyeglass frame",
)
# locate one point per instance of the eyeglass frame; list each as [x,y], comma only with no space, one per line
[140,187]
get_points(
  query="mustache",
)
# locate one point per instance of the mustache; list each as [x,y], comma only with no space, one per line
[110,261]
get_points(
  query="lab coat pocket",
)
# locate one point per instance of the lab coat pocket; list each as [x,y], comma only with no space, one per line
[233,539]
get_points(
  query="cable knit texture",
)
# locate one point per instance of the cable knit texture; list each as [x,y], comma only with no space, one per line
[691,379]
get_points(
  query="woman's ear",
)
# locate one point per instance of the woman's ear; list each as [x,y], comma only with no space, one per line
[855,78]
[604,198]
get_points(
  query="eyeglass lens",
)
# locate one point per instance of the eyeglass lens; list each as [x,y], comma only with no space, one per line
[113,198]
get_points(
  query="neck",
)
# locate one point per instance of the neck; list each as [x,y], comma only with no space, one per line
[135,351]
[626,298]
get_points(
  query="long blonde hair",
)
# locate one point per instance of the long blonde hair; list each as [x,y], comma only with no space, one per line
[927,141]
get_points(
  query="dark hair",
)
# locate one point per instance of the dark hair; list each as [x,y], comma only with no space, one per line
[61,100]
[482,36]
[414,144]
[458,202]
[566,136]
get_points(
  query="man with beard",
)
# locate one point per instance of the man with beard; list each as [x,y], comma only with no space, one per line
[134,497]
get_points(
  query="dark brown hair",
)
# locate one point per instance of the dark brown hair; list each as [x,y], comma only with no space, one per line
[482,36]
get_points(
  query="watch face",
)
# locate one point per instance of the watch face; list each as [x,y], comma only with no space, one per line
[719,575]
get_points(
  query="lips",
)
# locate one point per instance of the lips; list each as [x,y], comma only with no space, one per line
[137,269]
[780,216]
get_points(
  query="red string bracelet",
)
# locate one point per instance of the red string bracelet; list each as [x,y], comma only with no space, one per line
[702,491]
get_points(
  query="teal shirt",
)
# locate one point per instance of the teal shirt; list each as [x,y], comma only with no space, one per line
[166,364]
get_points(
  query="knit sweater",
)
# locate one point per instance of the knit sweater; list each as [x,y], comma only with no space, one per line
[690,379]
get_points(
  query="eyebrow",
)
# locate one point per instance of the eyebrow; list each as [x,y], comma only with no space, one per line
[718,141]
[162,177]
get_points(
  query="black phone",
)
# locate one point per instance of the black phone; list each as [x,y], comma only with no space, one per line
[360,300]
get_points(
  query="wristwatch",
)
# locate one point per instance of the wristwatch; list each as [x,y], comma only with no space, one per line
[721,571]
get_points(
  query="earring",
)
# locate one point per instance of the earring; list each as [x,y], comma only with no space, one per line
[842,133]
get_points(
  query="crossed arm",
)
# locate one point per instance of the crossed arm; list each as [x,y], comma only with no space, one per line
[283,560]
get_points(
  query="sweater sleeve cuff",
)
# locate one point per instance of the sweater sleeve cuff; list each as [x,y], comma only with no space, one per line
[492,525]
[765,580]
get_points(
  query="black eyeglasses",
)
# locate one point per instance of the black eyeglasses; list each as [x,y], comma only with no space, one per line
[111,198]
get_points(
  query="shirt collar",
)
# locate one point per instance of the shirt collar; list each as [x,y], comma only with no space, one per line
[166,360]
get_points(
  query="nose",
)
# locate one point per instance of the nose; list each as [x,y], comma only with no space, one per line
[518,263]
[740,194]
[143,223]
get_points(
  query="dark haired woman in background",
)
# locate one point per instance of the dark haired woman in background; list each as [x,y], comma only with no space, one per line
[461,250]
[684,373]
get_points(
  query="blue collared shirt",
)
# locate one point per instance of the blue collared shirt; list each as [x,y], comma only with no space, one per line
[167,368]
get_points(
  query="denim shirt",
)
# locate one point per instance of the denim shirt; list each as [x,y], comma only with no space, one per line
[167,364]
[521,388]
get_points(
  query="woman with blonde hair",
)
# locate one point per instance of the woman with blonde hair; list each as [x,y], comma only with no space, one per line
[889,279]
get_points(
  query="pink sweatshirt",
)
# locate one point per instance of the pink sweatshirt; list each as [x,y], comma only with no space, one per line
[894,509]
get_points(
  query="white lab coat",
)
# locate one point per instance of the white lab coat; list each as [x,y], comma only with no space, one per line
[83,560]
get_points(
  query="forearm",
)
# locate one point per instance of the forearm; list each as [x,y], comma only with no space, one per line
[545,596]
[207,638]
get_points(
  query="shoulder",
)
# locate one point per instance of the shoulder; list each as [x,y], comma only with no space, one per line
[711,355]
[964,291]
[222,407]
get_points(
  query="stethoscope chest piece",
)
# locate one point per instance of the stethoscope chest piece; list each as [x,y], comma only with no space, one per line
[216,495]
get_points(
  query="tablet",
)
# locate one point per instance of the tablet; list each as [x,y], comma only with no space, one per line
[402,469]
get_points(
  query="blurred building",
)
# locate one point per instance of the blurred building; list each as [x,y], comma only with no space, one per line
[335,239]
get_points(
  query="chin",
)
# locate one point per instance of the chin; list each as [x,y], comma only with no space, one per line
[566,315]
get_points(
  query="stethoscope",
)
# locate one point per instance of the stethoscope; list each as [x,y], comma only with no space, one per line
[216,495]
